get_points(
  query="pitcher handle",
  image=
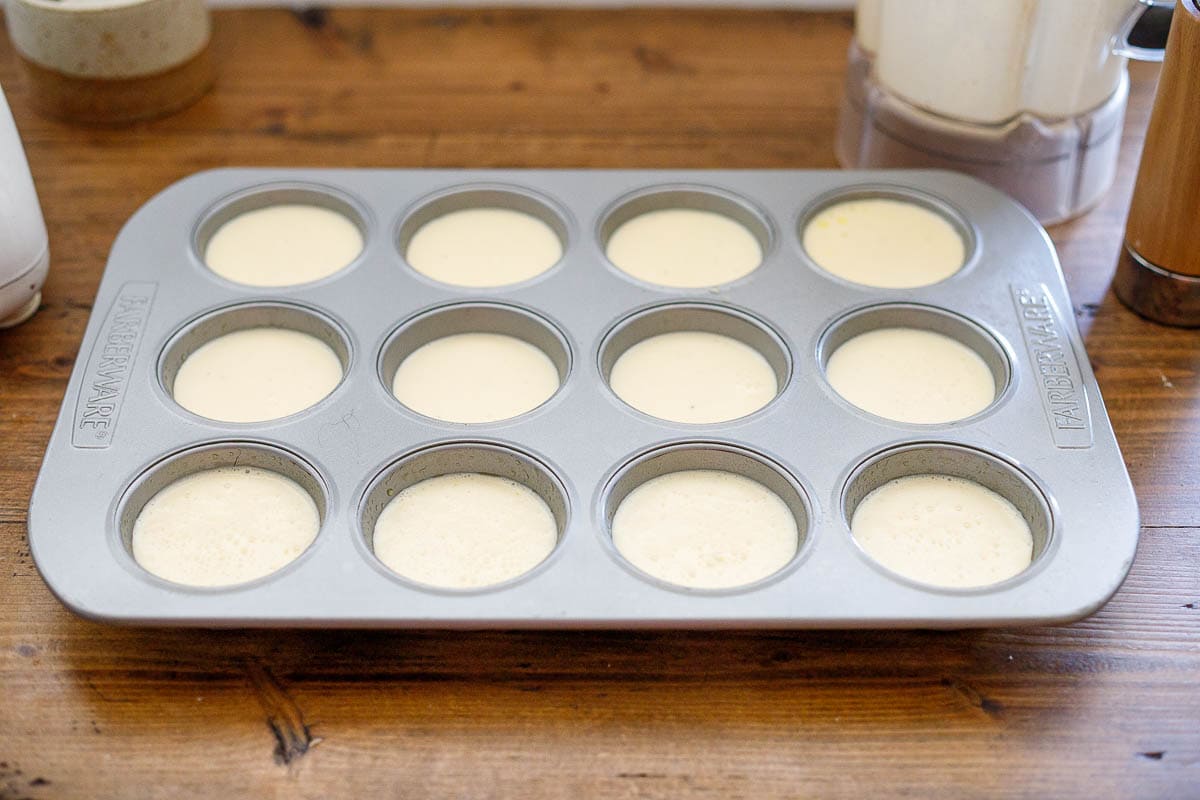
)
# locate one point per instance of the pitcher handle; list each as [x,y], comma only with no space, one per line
[1137,52]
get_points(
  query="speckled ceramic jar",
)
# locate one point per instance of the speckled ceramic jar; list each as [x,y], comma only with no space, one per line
[112,61]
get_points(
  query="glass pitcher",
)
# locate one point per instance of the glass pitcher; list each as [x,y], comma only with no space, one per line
[1028,95]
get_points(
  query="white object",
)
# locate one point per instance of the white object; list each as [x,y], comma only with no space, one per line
[465,531]
[256,375]
[484,248]
[475,377]
[684,248]
[911,375]
[705,529]
[24,246]
[694,377]
[109,39]
[943,531]
[224,526]
[1028,95]
[889,244]
[986,61]
[283,245]
[814,5]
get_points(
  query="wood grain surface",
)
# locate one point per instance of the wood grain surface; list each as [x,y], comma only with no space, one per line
[1108,707]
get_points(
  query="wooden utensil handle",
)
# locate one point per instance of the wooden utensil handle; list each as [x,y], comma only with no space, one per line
[1164,218]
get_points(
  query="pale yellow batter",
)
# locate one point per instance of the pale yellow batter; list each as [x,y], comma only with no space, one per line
[705,529]
[484,247]
[475,377]
[911,375]
[694,377]
[464,531]
[684,248]
[256,374]
[283,245]
[943,531]
[224,526]
[889,244]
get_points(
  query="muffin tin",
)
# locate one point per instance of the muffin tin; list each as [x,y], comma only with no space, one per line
[1045,443]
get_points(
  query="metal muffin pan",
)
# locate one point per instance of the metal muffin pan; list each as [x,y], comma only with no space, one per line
[1045,443]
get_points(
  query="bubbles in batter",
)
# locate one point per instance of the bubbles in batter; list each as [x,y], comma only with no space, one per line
[944,531]
[224,526]
[705,529]
[694,377]
[464,531]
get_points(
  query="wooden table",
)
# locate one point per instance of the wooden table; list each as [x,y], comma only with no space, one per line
[1107,707]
